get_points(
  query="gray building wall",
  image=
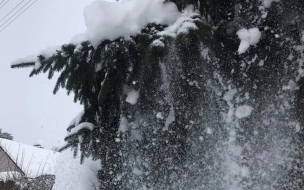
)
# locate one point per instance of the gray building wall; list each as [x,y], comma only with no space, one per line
[6,163]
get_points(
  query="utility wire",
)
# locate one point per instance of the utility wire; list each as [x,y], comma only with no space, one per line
[1,2]
[15,14]
[4,4]
[11,11]
[18,16]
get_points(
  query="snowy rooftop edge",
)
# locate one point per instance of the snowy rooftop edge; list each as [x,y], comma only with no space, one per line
[31,160]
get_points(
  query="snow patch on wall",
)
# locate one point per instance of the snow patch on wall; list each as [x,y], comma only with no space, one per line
[248,37]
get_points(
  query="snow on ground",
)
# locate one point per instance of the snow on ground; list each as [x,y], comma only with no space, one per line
[5,176]
[32,161]
[132,97]
[248,37]
[243,111]
[70,174]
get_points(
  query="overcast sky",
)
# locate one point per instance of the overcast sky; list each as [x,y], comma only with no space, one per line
[28,108]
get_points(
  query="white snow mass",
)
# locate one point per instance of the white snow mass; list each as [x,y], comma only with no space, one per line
[248,37]
[111,20]
[70,174]
[132,97]
[123,126]
[108,20]
[182,24]
[157,42]
[243,111]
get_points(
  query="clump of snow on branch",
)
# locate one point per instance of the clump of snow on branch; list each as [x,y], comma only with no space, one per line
[77,119]
[27,59]
[132,97]
[81,126]
[70,174]
[47,53]
[110,20]
[248,38]
[77,126]
[157,42]
[243,111]
[182,24]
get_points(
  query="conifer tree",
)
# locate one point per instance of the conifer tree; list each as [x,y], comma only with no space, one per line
[191,81]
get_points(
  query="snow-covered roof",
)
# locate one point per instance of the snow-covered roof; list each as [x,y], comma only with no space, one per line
[31,160]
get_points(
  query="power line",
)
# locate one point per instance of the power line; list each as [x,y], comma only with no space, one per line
[15,14]
[18,16]
[4,4]
[1,2]
[11,11]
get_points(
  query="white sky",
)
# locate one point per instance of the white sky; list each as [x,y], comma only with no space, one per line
[28,108]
